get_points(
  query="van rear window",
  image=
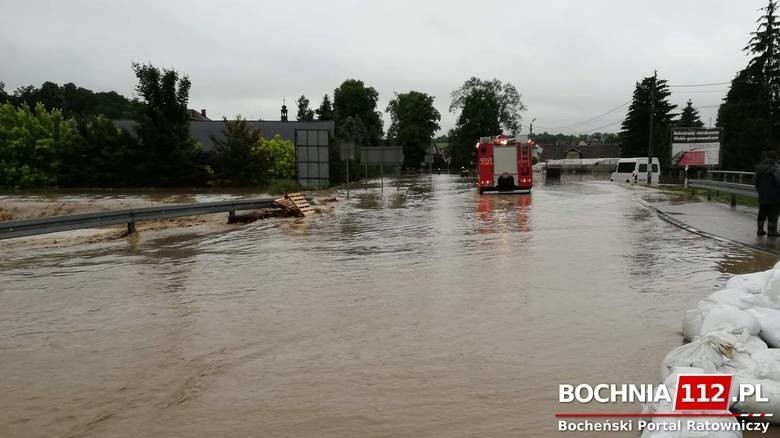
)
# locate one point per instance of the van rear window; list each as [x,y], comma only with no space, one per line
[643,168]
[626,167]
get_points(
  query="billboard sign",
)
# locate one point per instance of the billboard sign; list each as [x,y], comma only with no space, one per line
[390,155]
[696,146]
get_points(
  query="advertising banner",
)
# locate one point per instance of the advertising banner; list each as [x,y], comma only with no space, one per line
[696,146]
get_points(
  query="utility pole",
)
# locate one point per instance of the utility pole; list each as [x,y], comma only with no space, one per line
[650,137]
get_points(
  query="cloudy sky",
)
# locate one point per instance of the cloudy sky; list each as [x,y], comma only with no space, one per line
[570,60]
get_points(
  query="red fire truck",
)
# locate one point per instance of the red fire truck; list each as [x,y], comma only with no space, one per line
[504,165]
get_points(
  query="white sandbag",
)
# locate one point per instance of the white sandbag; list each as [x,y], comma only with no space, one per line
[691,327]
[708,352]
[772,286]
[750,357]
[770,389]
[767,364]
[749,344]
[729,319]
[769,321]
[718,317]
[739,298]
[753,283]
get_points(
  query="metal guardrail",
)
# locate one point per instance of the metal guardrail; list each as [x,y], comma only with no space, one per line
[53,224]
[734,176]
[726,187]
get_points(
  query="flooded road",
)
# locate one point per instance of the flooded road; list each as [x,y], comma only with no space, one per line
[427,311]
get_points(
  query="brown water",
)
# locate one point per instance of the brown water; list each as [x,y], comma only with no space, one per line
[429,311]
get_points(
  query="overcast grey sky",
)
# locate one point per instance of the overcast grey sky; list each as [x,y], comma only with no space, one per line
[570,60]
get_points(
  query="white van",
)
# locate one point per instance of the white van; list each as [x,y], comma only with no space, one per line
[634,170]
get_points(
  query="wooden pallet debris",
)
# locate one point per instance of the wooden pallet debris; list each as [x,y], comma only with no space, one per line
[294,204]
[246,218]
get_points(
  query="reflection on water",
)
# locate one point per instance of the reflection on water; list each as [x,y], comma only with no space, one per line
[421,311]
[504,212]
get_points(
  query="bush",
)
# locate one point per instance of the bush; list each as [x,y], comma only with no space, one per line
[32,144]
[281,186]
[281,153]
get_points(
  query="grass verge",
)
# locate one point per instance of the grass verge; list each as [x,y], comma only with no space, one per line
[715,196]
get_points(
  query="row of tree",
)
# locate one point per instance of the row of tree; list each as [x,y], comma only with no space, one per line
[65,136]
[749,114]
[484,107]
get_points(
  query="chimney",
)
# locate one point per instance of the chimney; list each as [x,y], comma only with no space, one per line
[203,112]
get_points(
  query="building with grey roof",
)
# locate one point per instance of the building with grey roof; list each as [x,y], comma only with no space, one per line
[587,151]
[311,139]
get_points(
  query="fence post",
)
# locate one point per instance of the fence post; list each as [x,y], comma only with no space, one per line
[733,200]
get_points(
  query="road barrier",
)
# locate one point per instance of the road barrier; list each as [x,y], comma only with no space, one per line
[53,224]
[726,187]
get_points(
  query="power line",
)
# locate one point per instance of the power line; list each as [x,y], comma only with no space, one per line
[702,91]
[698,85]
[591,119]
[602,127]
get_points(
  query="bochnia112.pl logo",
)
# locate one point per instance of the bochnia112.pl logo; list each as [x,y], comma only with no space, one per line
[697,402]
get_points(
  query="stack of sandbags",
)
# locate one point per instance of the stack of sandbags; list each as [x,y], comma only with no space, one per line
[733,331]
[665,408]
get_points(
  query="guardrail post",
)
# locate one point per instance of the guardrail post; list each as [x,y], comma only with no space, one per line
[709,195]
[231,214]
[130,227]
[733,200]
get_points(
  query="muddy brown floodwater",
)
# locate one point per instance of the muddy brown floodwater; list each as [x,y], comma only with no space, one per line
[424,311]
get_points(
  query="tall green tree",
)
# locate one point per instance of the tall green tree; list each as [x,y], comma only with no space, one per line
[238,158]
[305,114]
[32,143]
[26,95]
[75,101]
[325,111]
[353,99]
[485,107]
[4,96]
[744,117]
[635,133]
[99,157]
[414,120]
[750,114]
[169,156]
[689,118]
[507,99]
[51,96]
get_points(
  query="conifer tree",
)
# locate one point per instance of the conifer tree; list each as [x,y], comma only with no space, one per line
[689,118]
[750,114]
[325,111]
[635,133]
